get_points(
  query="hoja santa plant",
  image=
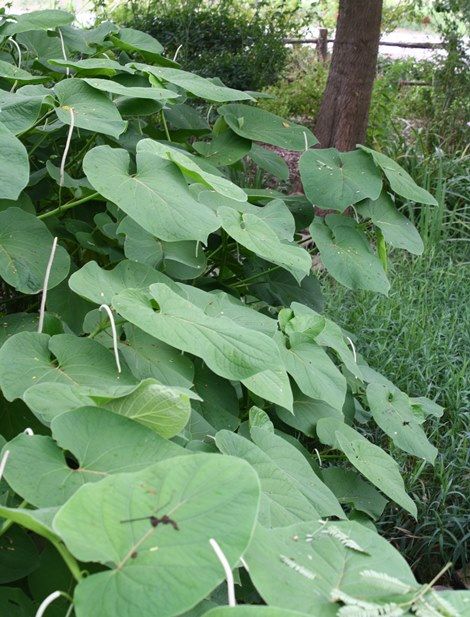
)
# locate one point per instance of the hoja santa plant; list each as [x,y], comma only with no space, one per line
[183,354]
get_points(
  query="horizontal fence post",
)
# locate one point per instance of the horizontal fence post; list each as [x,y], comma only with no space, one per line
[319,41]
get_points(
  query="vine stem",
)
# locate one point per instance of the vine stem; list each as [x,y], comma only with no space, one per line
[104,326]
[42,308]
[7,524]
[105,307]
[255,276]
[227,569]
[68,206]
[52,597]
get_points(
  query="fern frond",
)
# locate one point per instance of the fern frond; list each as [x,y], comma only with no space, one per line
[385,581]
[337,595]
[385,610]
[421,608]
[444,607]
[298,568]
[345,540]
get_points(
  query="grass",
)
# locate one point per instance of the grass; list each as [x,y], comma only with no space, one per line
[419,337]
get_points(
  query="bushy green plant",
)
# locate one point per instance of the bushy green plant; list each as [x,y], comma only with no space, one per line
[151,413]
[299,92]
[240,43]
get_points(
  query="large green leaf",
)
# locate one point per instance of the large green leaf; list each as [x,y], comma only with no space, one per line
[101,443]
[375,464]
[130,39]
[279,287]
[25,248]
[207,496]
[258,236]
[350,488]
[19,111]
[134,92]
[14,165]
[29,358]
[164,409]
[323,331]
[270,161]
[272,385]
[335,180]
[225,148]
[393,412]
[231,351]
[13,73]
[260,125]
[189,166]
[92,66]
[314,559]
[199,86]
[219,405]
[252,611]
[306,412]
[15,603]
[314,372]
[346,254]
[400,181]
[149,357]
[99,285]
[287,495]
[19,555]
[92,110]
[156,197]
[36,20]
[395,227]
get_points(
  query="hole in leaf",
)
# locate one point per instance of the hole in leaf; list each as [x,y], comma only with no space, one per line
[71,461]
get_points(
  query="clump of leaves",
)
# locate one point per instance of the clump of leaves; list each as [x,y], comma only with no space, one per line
[150,414]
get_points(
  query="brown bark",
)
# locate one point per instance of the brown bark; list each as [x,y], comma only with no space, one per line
[343,115]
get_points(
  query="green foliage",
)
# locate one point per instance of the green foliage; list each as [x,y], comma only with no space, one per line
[150,418]
[242,43]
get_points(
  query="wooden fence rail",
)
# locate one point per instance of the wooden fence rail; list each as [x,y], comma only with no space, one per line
[321,43]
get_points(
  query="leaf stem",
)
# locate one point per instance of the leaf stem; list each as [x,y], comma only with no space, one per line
[8,523]
[68,206]
[165,126]
[255,276]
[104,326]
[69,559]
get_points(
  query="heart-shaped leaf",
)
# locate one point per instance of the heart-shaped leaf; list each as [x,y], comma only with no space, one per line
[347,255]
[199,86]
[283,500]
[228,349]
[260,125]
[25,360]
[91,109]
[203,496]
[335,180]
[314,372]
[99,285]
[156,197]
[316,559]
[375,464]
[25,248]
[14,165]
[101,443]
[395,227]
[400,180]
[393,412]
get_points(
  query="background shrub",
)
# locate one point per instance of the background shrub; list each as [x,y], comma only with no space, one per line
[242,44]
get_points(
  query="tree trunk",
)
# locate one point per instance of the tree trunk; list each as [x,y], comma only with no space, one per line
[342,120]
